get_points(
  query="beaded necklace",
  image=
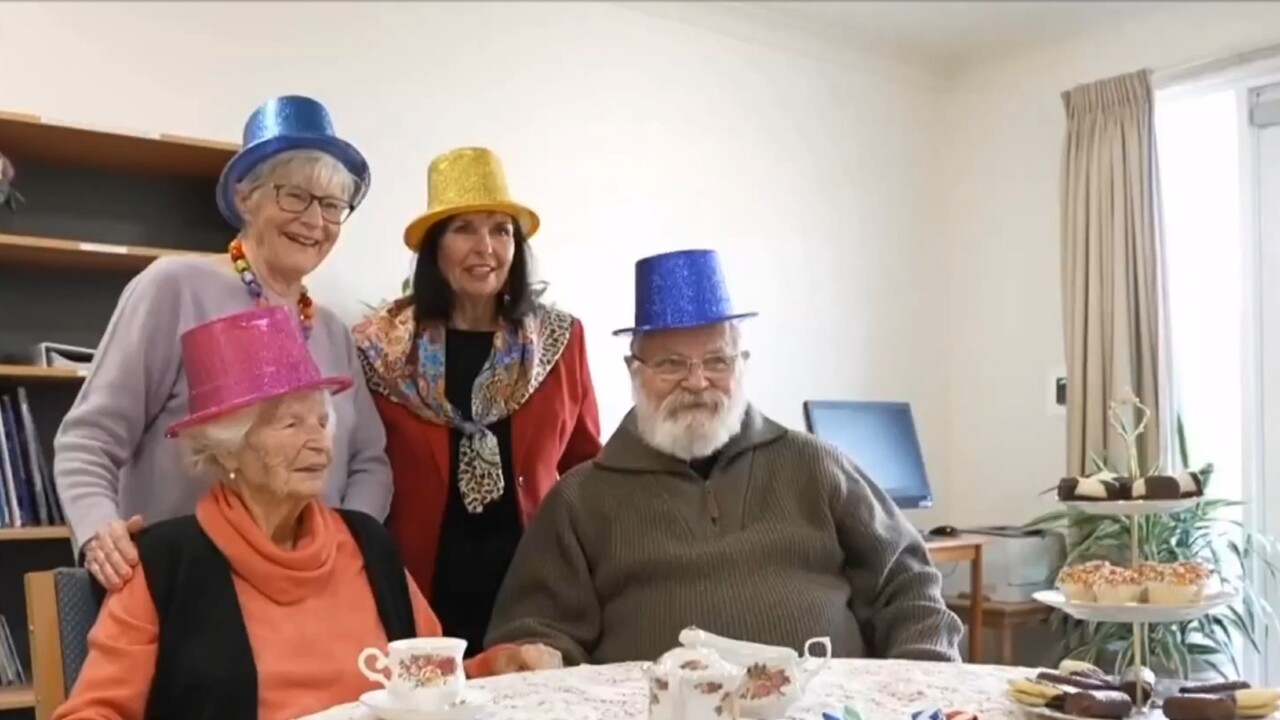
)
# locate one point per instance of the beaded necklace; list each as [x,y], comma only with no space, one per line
[251,283]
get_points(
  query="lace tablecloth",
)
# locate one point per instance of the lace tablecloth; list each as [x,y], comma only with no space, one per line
[880,689]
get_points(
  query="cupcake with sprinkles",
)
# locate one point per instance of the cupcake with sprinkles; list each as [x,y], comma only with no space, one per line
[1180,583]
[1118,585]
[1076,581]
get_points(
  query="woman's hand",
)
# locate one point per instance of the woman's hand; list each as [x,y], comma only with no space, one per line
[110,555]
[522,658]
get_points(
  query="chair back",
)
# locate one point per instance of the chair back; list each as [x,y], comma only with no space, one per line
[62,605]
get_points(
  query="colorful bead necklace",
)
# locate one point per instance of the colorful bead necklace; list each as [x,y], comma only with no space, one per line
[305,311]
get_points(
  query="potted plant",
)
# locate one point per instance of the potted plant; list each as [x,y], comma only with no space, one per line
[1204,532]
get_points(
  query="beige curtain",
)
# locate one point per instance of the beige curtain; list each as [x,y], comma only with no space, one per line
[1113,279]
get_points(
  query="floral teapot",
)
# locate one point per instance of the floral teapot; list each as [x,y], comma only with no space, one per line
[693,684]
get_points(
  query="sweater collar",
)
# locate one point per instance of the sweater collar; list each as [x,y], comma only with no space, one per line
[284,576]
[628,452]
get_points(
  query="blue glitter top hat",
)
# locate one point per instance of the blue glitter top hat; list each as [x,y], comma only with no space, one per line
[681,289]
[289,122]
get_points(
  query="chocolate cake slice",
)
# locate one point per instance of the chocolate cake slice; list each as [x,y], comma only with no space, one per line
[1200,707]
[1190,484]
[1103,704]
[1081,682]
[1157,487]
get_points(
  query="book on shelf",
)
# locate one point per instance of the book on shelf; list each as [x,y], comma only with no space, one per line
[28,497]
[11,672]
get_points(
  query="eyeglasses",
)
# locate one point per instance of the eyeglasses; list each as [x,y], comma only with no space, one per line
[297,200]
[675,366]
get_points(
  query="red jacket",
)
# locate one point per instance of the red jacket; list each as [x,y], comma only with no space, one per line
[557,428]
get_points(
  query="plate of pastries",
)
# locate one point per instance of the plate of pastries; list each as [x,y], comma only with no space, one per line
[1080,690]
[1107,492]
[1151,592]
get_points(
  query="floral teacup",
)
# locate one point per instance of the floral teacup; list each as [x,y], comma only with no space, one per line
[422,673]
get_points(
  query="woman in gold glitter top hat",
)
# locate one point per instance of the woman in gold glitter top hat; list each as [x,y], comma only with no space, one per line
[484,390]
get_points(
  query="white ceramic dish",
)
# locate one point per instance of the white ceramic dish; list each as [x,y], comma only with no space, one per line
[1135,612]
[472,706]
[1132,507]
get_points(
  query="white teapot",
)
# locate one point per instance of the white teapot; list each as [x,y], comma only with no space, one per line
[693,684]
[775,677]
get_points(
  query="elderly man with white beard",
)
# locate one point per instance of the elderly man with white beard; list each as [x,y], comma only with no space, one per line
[700,511]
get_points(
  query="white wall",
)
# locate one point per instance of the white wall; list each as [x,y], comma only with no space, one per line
[1001,165]
[631,134]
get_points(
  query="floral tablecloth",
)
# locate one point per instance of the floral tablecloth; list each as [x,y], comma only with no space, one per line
[880,689]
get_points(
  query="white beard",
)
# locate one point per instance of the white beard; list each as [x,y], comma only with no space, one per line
[687,433]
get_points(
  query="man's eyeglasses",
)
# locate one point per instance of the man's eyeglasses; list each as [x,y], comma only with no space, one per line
[297,200]
[675,367]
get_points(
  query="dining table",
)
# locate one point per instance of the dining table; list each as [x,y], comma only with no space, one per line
[877,689]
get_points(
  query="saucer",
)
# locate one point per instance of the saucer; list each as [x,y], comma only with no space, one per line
[470,706]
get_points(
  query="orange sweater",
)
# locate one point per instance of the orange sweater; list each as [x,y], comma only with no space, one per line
[308,611]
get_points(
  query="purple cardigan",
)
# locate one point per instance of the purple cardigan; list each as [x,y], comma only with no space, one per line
[111,459]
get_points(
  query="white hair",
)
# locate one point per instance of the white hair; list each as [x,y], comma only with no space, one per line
[309,168]
[668,426]
[203,447]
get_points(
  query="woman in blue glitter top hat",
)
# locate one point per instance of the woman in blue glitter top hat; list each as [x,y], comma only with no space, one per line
[287,193]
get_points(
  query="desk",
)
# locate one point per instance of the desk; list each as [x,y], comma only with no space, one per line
[964,548]
[1004,617]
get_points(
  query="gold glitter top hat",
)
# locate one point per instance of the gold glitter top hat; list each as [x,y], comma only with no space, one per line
[462,181]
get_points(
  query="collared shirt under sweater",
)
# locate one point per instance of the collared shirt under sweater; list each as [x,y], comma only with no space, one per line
[785,540]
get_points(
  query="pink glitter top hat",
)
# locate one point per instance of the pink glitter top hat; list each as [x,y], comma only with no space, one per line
[244,359]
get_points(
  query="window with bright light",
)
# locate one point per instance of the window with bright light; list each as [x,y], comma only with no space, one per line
[1199,155]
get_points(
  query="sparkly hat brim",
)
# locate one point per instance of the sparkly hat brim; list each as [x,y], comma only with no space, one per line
[682,326]
[239,167]
[334,384]
[417,230]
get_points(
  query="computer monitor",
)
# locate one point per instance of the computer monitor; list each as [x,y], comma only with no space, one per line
[881,438]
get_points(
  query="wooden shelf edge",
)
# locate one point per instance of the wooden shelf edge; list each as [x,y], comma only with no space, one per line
[172,138]
[42,532]
[31,251]
[20,697]
[36,373]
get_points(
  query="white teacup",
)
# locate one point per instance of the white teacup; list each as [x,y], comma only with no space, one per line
[421,673]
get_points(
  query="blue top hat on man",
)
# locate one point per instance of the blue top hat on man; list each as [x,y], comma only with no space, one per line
[681,289]
[289,122]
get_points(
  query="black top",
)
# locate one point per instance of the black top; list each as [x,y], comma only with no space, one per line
[204,663]
[474,549]
[704,465]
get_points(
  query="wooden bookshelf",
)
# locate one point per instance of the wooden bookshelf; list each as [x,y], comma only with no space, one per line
[21,697]
[73,255]
[49,532]
[27,137]
[32,373]
[101,204]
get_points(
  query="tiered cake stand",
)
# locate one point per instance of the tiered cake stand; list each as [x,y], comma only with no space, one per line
[1139,614]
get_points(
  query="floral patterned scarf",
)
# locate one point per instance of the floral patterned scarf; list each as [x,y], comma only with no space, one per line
[410,370]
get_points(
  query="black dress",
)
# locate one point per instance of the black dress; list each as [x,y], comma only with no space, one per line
[475,549]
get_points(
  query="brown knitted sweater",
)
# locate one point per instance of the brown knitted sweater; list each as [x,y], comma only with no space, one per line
[786,540]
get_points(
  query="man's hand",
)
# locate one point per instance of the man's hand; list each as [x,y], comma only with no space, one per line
[522,658]
[110,555]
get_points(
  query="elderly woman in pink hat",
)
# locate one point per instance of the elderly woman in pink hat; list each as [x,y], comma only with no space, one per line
[232,610]
[287,193]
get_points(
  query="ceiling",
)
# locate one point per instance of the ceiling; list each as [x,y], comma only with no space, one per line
[943,34]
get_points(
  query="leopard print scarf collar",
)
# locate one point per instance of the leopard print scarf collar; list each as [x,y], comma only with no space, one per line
[410,371]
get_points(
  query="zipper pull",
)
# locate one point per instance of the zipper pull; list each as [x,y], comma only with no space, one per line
[713,510]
